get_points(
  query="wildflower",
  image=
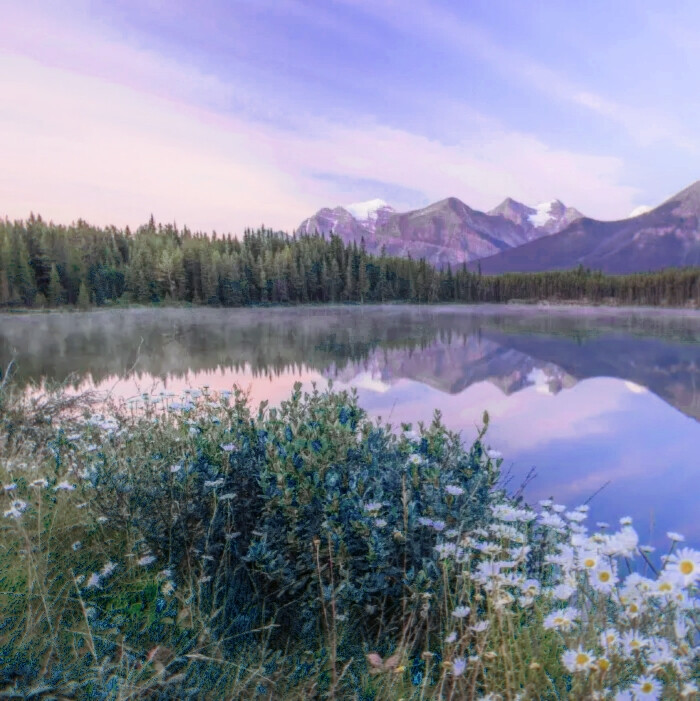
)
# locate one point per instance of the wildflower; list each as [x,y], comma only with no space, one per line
[458,666]
[64,485]
[646,688]
[609,638]
[530,587]
[446,549]
[603,664]
[102,519]
[39,483]
[675,537]
[461,612]
[228,447]
[576,516]
[488,570]
[373,506]
[454,490]
[479,627]
[380,522]
[451,637]
[76,546]
[94,581]
[626,521]
[578,660]
[214,483]
[589,559]
[684,566]
[17,508]
[437,525]
[108,569]
[175,468]
[228,496]
[633,642]
[558,508]
[552,521]
[545,503]
[563,592]
[602,525]
[563,619]
[493,454]
[425,521]
[146,560]
[666,585]
[10,487]
[661,653]
[415,459]
[603,579]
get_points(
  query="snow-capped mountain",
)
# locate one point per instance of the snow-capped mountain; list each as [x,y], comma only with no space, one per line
[371,213]
[667,236]
[541,220]
[444,232]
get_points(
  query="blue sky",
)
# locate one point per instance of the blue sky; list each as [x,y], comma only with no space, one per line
[226,114]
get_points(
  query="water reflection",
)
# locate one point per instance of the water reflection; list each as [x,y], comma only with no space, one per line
[590,400]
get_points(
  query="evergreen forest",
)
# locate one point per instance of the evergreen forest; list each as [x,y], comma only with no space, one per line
[45,265]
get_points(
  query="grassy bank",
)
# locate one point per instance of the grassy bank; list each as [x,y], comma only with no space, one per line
[196,547]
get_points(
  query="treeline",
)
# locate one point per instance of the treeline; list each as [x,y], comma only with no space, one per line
[48,265]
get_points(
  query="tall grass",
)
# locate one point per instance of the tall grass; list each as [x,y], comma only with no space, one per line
[195,547]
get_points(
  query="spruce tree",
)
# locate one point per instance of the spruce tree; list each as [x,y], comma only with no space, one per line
[55,291]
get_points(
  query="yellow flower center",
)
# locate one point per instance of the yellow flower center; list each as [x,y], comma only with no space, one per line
[634,608]
[589,562]
[603,664]
[611,638]
[582,658]
[604,576]
[665,586]
[634,643]
[647,687]
[686,567]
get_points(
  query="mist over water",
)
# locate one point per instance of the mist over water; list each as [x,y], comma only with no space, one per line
[603,400]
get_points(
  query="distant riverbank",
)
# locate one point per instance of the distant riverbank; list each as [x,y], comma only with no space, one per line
[558,306]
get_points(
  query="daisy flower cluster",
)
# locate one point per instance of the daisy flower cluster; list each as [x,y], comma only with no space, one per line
[625,628]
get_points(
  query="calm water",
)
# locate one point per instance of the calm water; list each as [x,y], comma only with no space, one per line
[593,401]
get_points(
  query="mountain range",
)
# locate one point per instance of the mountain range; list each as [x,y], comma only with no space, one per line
[514,237]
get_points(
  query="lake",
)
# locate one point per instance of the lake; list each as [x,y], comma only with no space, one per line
[600,403]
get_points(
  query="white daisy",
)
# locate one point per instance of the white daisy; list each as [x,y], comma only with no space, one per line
[684,566]
[647,689]
[578,660]
[603,579]
[461,611]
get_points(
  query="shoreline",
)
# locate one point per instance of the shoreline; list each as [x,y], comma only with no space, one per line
[565,308]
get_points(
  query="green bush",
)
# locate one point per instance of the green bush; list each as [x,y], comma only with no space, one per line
[276,513]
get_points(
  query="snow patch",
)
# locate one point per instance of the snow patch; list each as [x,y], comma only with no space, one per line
[364,211]
[542,214]
[538,378]
[638,211]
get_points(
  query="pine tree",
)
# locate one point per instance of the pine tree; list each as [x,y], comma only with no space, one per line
[83,296]
[55,291]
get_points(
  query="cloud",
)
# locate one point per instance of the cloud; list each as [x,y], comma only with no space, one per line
[646,126]
[96,128]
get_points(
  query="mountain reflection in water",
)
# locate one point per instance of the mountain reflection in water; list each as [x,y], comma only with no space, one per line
[586,398]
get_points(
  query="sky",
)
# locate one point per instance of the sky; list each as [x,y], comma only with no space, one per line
[227,114]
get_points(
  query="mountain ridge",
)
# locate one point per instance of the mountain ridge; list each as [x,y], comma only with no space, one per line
[445,232]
